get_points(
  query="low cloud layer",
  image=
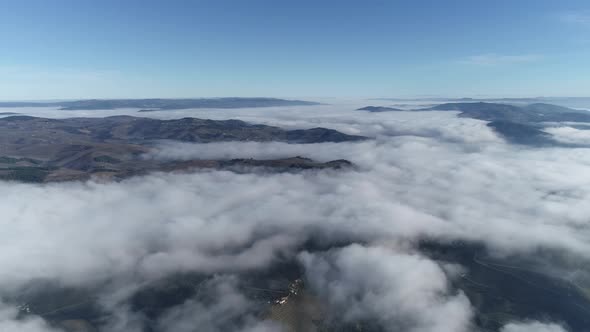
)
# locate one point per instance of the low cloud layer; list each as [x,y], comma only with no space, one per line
[425,175]
[570,135]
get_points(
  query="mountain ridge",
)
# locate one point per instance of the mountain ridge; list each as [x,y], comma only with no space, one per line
[39,149]
[163,103]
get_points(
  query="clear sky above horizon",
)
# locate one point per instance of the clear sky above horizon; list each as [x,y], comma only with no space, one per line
[57,49]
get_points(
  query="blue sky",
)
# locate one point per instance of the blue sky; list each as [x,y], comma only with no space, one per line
[53,49]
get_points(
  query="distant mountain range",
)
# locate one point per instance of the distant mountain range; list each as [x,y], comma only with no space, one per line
[162,104]
[378,109]
[566,101]
[521,124]
[538,112]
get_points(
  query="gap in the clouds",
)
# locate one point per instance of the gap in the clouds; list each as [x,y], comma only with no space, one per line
[513,288]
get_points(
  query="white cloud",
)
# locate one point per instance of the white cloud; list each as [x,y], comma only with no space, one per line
[492,59]
[394,289]
[532,327]
[578,18]
[570,135]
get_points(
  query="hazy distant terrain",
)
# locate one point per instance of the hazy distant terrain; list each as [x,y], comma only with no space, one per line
[575,102]
[161,104]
